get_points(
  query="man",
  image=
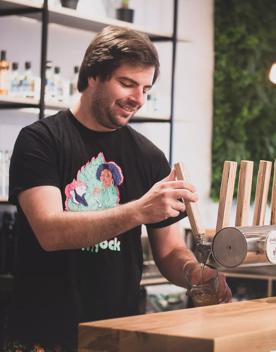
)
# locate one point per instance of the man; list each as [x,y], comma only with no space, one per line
[80,256]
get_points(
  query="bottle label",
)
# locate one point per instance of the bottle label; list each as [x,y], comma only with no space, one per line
[4,82]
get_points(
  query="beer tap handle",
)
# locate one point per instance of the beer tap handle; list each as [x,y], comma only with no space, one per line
[273,198]
[226,194]
[191,208]
[244,192]
[262,192]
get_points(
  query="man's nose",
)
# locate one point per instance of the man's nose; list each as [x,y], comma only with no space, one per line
[139,96]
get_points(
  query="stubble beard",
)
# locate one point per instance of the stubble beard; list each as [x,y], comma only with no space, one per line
[104,115]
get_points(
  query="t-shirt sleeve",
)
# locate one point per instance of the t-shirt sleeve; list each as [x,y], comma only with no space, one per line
[161,169]
[33,162]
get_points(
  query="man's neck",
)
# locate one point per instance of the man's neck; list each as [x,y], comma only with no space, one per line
[82,112]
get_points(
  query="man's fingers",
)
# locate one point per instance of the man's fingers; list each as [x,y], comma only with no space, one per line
[170,177]
[228,295]
[177,185]
[165,199]
[225,294]
[179,206]
[184,194]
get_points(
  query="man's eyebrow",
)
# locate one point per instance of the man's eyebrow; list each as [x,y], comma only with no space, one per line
[125,78]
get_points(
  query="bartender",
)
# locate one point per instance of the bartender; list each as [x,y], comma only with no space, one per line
[84,182]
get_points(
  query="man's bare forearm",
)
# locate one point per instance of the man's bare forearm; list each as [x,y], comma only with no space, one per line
[73,230]
[57,229]
[173,265]
[180,261]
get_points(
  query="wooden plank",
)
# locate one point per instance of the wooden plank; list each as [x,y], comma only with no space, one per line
[244,192]
[226,194]
[273,198]
[262,188]
[191,208]
[242,326]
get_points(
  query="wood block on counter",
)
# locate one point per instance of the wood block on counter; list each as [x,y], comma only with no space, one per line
[241,326]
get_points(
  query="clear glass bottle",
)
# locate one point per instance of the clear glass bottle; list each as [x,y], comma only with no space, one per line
[58,84]
[74,81]
[28,82]
[152,102]
[2,173]
[49,84]
[4,73]
[15,81]
[5,156]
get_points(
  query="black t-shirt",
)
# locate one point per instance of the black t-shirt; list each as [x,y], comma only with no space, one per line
[94,171]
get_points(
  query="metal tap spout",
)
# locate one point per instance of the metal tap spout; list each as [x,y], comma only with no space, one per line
[203,249]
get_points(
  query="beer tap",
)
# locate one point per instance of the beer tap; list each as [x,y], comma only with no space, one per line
[202,247]
[239,245]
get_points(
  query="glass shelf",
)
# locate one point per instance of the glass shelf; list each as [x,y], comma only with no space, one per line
[18,103]
[70,18]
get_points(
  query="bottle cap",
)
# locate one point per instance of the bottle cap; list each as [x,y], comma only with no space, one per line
[49,64]
[76,69]
[28,65]
[57,69]
[3,55]
[14,66]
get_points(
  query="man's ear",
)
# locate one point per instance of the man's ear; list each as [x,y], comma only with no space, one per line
[92,81]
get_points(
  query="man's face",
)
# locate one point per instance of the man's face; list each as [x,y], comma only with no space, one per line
[116,100]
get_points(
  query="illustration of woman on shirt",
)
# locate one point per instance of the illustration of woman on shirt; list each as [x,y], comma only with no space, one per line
[95,187]
[110,176]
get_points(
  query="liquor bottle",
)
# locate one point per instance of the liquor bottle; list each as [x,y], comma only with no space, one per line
[73,82]
[2,173]
[49,84]
[14,90]
[58,84]
[152,102]
[6,157]
[4,73]
[28,82]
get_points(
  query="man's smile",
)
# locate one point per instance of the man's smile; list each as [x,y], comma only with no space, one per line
[130,108]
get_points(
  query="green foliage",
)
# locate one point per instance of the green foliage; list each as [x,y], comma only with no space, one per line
[125,3]
[244,125]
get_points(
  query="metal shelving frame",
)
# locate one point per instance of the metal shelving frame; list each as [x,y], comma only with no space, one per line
[68,17]
[11,8]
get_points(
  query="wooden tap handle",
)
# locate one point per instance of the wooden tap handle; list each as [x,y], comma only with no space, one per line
[191,208]
[244,192]
[273,198]
[262,192]
[226,194]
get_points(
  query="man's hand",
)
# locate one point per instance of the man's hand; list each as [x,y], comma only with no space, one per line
[164,199]
[193,274]
[224,293]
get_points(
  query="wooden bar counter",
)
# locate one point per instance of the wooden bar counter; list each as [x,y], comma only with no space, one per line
[241,326]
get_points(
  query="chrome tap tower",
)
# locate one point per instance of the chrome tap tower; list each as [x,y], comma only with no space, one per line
[242,244]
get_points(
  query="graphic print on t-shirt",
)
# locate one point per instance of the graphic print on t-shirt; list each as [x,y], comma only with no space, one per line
[96,188]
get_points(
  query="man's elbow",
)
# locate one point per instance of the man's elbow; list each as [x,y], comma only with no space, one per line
[47,240]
